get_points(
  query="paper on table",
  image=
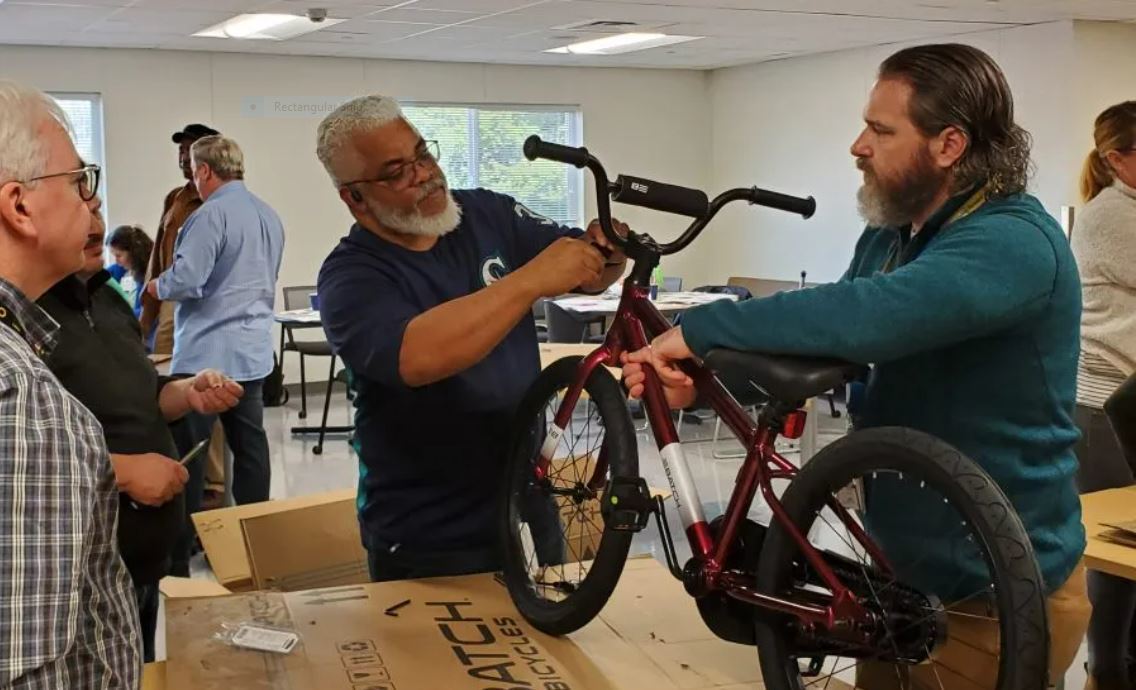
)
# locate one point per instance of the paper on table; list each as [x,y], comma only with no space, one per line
[667,301]
[298,316]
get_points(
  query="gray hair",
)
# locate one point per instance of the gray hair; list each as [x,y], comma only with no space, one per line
[23,110]
[221,154]
[357,115]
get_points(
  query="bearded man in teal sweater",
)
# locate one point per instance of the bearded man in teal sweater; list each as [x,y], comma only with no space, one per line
[964,297]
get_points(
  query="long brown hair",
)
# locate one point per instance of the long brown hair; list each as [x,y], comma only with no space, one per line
[1114,130]
[133,240]
[956,85]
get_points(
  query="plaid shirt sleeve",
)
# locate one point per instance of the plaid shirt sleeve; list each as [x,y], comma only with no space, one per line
[67,612]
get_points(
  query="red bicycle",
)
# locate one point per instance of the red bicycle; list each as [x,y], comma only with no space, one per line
[837,583]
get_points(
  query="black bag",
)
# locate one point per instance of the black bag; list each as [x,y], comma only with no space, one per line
[275,394]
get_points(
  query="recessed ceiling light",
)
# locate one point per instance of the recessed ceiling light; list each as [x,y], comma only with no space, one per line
[621,43]
[272,27]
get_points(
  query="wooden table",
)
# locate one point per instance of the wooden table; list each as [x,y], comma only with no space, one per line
[1112,505]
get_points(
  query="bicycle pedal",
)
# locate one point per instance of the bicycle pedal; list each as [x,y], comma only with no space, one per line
[816,665]
[627,504]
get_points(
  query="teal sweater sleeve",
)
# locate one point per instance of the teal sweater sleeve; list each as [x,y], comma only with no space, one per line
[978,276]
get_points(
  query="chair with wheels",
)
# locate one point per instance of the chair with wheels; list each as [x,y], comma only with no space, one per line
[296,297]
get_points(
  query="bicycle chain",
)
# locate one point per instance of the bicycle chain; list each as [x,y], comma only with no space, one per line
[898,594]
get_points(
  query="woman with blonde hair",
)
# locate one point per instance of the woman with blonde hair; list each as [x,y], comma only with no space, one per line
[1104,243]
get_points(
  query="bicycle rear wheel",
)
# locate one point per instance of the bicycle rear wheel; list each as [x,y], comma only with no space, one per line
[562,560]
[961,604]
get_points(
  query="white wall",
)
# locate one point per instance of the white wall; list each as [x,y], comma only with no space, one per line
[1106,75]
[788,126]
[646,122]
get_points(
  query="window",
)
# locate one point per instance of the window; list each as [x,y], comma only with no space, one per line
[85,113]
[481,147]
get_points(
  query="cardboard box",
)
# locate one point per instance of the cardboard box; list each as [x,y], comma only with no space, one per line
[305,548]
[455,634]
[188,588]
[154,676]
[313,541]
[225,532]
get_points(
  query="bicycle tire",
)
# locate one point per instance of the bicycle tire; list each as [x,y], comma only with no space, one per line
[1020,589]
[581,606]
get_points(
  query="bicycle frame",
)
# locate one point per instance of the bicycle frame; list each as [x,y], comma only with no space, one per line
[636,322]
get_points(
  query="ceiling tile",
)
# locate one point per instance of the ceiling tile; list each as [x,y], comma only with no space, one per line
[517,31]
[143,21]
[411,14]
[52,20]
[340,12]
[387,30]
[480,6]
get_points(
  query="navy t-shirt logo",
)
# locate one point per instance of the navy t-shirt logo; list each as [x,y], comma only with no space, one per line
[493,269]
[523,211]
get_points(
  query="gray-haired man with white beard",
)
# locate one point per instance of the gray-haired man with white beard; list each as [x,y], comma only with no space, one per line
[428,300]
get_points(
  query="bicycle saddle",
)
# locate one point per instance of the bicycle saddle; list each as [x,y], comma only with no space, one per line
[786,378]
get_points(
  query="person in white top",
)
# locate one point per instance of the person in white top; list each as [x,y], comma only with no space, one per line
[1104,243]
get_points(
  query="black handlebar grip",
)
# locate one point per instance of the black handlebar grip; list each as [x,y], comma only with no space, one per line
[783,202]
[668,198]
[536,148]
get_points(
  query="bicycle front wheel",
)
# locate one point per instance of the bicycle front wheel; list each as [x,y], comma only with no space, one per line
[562,561]
[958,601]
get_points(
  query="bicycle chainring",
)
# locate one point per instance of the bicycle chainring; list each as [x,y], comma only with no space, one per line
[906,624]
[727,617]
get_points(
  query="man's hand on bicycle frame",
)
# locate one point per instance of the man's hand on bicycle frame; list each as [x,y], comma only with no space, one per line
[662,354]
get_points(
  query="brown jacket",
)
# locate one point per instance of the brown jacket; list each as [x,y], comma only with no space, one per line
[178,205]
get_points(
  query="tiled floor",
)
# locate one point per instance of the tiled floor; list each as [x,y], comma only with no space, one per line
[297,471]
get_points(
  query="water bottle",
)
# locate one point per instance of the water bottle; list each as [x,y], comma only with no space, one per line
[656,280]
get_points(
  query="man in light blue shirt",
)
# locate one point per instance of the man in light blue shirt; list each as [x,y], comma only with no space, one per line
[223,279]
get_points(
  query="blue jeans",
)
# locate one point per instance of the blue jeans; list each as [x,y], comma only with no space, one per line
[252,472]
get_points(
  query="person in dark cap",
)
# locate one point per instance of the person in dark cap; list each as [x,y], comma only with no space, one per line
[179,203]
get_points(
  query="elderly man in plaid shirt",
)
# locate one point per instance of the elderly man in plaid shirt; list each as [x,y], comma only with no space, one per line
[67,612]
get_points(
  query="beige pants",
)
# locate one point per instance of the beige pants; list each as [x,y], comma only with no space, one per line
[164,331]
[969,660]
[215,463]
[164,345]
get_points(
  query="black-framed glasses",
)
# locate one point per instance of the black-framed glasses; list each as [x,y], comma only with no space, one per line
[429,154]
[86,179]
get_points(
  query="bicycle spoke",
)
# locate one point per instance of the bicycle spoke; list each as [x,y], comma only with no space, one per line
[872,577]
[935,668]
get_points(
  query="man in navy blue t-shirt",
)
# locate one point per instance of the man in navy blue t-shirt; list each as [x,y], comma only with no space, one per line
[428,300]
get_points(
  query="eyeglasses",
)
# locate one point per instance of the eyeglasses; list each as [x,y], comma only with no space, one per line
[401,176]
[86,179]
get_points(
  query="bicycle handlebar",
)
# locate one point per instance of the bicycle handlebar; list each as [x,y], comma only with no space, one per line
[536,148]
[668,198]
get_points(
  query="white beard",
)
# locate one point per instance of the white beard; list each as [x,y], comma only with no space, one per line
[414,223]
